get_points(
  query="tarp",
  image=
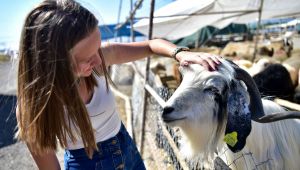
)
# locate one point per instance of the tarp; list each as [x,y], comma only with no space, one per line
[201,36]
[204,34]
[180,26]
[109,31]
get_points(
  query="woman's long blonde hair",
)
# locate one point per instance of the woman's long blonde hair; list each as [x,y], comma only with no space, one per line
[48,100]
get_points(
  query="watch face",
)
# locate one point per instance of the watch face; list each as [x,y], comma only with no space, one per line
[179,49]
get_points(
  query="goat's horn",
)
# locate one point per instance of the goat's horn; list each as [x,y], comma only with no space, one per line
[256,106]
[280,116]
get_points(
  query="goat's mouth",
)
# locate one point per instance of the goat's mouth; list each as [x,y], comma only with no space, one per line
[169,120]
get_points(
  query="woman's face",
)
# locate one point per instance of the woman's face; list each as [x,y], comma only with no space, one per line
[85,54]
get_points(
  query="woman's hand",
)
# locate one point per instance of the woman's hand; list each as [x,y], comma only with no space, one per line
[209,61]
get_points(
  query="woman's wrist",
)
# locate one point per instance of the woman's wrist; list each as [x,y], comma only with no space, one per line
[178,50]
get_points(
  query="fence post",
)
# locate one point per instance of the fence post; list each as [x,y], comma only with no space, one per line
[258,28]
[146,80]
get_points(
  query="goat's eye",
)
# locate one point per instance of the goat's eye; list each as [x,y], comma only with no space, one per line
[212,90]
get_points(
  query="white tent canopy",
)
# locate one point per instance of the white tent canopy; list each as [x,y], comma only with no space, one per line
[290,23]
[218,13]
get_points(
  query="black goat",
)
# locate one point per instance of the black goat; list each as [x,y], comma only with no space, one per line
[275,80]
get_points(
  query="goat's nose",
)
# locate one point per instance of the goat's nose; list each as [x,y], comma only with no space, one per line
[167,110]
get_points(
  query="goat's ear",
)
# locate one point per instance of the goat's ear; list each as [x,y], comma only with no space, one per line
[239,119]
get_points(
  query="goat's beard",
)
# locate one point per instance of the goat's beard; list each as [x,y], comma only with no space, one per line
[205,146]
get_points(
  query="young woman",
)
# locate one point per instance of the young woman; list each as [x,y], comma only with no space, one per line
[63,91]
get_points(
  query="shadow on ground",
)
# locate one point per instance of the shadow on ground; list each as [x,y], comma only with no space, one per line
[8,120]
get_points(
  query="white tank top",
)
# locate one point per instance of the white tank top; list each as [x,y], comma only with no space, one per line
[103,114]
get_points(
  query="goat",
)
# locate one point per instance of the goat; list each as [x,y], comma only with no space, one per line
[292,64]
[275,80]
[297,90]
[213,107]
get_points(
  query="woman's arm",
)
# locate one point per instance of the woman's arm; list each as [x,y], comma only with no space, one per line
[117,53]
[47,161]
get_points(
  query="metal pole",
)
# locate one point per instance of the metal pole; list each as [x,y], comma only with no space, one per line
[132,13]
[204,13]
[146,80]
[131,23]
[258,28]
[197,39]
[118,20]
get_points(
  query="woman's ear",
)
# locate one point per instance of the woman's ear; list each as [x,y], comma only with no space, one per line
[239,119]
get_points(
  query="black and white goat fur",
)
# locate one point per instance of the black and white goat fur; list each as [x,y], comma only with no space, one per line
[210,104]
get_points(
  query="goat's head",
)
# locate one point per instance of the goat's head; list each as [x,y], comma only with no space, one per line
[209,103]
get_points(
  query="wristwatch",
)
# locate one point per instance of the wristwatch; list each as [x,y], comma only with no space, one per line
[177,50]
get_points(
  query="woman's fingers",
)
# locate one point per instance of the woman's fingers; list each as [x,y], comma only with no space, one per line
[216,59]
[208,61]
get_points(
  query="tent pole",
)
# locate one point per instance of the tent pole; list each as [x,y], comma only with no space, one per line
[131,24]
[204,13]
[197,40]
[118,19]
[132,13]
[142,134]
[258,28]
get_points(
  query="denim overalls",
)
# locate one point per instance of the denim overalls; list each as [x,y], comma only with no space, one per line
[118,152]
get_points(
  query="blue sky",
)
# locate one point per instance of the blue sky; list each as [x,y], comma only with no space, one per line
[13,13]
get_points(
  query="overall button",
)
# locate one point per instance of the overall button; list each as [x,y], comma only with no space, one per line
[118,152]
[113,142]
